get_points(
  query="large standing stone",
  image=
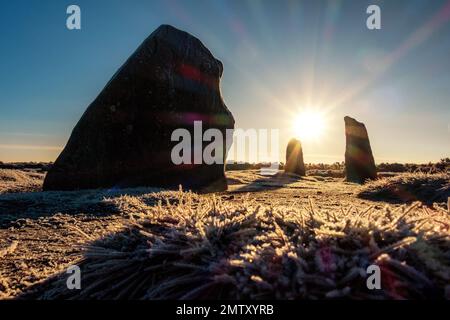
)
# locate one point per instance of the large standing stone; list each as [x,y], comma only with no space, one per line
[359,162]
[124,137]
[294,158]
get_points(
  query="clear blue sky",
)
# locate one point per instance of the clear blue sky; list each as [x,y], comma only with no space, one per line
[278,56]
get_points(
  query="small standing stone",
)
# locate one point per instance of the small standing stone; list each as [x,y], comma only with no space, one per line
[294,158]
[359,161]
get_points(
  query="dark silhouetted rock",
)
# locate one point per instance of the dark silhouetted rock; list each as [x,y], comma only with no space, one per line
[359,162]
[294,158]
[124,137]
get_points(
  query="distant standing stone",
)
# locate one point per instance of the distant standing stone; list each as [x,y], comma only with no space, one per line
[359,162]
[294,158]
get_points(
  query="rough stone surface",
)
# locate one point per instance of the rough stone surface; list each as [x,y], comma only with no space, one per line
[359,161]
[124,137]
[294,158]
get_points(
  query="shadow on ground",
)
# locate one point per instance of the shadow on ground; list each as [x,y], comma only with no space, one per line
[35,205]
[277,181]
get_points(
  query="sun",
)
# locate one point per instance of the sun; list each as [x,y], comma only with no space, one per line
[309,125]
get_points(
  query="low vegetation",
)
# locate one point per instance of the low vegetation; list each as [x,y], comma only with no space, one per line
[409,187]
[276,237]
[19,181]
[198,247]
[337,169]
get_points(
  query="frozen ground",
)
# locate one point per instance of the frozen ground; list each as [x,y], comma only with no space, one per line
[266,237]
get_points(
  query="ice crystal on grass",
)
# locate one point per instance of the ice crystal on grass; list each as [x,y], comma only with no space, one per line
[201,247]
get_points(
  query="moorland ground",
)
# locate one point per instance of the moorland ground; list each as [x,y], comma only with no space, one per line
[280,237]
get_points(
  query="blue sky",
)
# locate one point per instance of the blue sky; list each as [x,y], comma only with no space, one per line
[279,57]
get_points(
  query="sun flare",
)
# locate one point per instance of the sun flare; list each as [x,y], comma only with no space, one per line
[309,125]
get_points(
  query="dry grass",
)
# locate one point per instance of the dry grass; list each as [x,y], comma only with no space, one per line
[19,181]
[200,247]
[409,187]
[272,243]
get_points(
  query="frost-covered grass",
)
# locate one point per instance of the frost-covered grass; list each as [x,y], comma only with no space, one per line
[408,187]
[188,246]
[19,181]
[270,243]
